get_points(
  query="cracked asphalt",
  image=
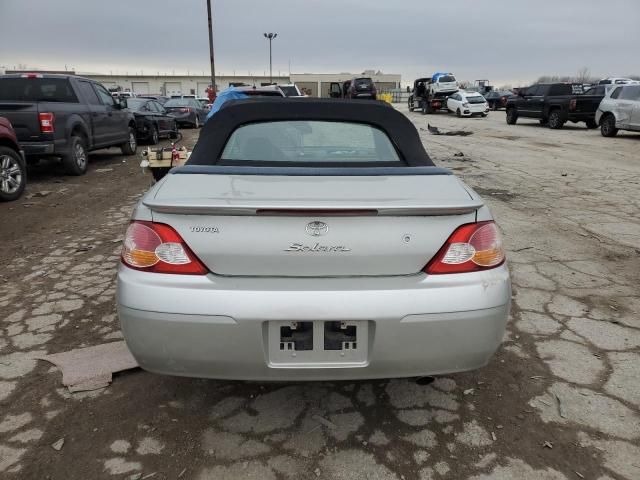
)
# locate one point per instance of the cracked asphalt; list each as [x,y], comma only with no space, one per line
[560,400]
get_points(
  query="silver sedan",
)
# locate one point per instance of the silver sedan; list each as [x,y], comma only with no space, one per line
[311,240]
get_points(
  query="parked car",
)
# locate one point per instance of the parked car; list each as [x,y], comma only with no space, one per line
[497,99]
[13,168]
[152,120]
[65,116]
[204,102]
[554,104]
[123,94]
[467,104]
[361,88]
[266,91]
[187,111]
[619,110]
[161,99]
[617,81]
[283,251]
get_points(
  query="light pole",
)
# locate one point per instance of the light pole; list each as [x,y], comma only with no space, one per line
[212,96]
[270,36]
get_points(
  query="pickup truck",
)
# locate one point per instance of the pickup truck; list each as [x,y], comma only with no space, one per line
[65,116]
[554,105]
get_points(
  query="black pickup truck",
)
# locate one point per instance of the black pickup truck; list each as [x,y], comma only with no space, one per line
[65,116]
[554,105]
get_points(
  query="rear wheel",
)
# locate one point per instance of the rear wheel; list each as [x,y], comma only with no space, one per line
[591,124]
[174,131]
[555,121]
[512,116]
[154,138]
[13,175]
[76,161]
[130,147]
[608,126]
[159,173]
[410,104]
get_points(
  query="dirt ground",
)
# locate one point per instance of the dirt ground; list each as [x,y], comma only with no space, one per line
[560,399]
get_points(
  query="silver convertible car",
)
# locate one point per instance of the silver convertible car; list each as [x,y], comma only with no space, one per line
[311,240]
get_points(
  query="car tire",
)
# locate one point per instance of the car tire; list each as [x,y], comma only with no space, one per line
[410,103]
[76,161]
[130,147]
[159,173]
[512,116]
[608,126]
[555,121]
[458,113]
[196,124]
[13,175]
[154,136]
[494,106]
[173,134]
[483,115]
[591,124]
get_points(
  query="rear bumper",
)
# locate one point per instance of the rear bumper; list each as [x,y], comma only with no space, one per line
[38,148]
[580,116]
[217,327]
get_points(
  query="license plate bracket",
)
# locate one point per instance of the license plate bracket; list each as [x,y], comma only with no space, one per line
[336,344]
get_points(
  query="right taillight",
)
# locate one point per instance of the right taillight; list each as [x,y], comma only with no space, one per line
[47,122]
[471,248]
[158,248]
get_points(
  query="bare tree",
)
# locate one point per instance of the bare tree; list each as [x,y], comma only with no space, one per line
[583,75]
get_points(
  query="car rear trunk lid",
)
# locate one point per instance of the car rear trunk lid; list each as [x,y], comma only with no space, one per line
[314,226]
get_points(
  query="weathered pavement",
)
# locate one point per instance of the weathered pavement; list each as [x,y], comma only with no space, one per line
[560,400]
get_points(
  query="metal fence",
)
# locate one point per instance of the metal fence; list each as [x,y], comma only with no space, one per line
[397,95]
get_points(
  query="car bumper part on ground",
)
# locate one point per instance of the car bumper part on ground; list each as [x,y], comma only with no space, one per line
[219,327]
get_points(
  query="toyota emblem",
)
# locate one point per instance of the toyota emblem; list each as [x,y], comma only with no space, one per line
[317,229]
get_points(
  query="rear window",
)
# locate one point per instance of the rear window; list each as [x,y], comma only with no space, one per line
[37,90]
[300,143]
[447,79]
[290,91]
[179,102]
[476,99]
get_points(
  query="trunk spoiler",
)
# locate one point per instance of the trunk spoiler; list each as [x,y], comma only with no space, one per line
[214,206]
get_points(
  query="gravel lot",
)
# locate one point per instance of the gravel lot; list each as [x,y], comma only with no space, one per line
[560,400]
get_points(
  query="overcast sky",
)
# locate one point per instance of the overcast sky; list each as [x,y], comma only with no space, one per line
[504,41]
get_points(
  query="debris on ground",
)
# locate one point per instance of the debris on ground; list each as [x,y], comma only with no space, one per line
[458,154]
[92,368]
[57,445]
[437,131]
[325,422]
[547,444]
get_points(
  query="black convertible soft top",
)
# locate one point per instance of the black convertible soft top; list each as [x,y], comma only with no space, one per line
[214,135]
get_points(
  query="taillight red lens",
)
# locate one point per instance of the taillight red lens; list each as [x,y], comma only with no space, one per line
[185,110]
[47,122]
[471,248]
[158,248]
[572,104]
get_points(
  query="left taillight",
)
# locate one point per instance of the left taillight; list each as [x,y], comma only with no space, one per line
[47,122]
[158,248]
[573,103]
[472,247]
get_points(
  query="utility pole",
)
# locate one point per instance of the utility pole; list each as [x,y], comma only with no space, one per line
[270,36]
[213,68]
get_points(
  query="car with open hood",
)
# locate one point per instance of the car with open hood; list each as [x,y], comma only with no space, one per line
[311,239]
